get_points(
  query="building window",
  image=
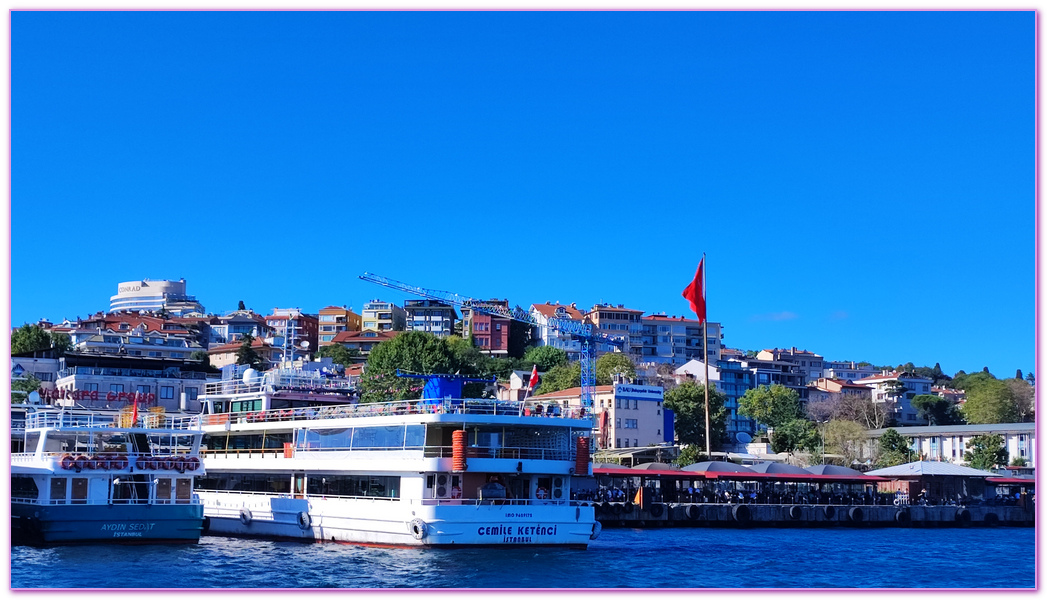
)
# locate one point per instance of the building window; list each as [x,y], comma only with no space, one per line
[91,387]
[617,442]
[166,392]
[191,393]
[143,389]
[116,387]
[636,405]
[618,423]
[636,443]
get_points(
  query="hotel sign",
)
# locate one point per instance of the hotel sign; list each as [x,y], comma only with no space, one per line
[63,394]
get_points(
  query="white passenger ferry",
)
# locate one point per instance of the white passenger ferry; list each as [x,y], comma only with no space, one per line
[99,477]
[291,455]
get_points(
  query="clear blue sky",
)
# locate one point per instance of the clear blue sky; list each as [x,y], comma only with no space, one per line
[863,183]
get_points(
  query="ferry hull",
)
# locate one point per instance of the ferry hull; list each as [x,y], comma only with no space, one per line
[384,523]
[122,524]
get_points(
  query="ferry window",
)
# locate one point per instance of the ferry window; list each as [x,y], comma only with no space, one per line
[415,437]
[79,492]
[183,490]
[24,487]
[58,489]
[163,489]
[143,389]
[379,437]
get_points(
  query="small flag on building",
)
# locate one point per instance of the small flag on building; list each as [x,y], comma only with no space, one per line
[134,411]
[533,382]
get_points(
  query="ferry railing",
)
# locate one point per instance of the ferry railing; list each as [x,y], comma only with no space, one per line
[120,501]
[375,409]
[514,453]
[62,419]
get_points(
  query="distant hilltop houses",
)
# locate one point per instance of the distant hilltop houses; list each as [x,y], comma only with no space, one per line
[153,340]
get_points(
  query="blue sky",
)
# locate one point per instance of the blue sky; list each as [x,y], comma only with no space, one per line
[863,183]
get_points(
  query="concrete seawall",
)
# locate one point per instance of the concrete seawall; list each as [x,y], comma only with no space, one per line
[627,514]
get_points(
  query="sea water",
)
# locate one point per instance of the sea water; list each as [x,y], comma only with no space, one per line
[620,558]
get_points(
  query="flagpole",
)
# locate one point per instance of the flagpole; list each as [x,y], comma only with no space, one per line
[705,352]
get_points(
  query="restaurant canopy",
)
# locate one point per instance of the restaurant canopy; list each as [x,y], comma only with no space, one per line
[773,467]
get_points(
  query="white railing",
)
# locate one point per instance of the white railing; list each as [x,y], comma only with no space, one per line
[476,452]
[62,419]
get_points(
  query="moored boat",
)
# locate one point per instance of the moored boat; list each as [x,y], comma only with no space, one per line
[289,459]
[97,477]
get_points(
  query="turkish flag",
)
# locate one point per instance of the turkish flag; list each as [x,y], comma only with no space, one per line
[533,383]
[695,292]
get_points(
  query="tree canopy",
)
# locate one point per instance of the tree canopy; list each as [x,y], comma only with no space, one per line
[687,401]
[895,449]
[845,438]
[986,452]
[772,405]
[989,401]
[412,352]
[797,434]
[33,338]
[613,362]
[559,378]
[545,357]
[246,355]
[936,410]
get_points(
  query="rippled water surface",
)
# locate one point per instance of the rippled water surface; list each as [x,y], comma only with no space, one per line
[663,558]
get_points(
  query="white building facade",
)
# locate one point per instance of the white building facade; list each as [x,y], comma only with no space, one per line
[150,295]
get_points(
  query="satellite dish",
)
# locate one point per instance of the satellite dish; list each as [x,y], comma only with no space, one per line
[305,344]
[34,397]
[250,376]
[743,437]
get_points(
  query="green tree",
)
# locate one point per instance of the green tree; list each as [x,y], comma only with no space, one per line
[27,384]
[985,452]
[1018,461]
[687,401]
[200,355]
[246,355]
[895,449]
[797,434]
[61,342]
[30,338]
[339,354]
[936,410]
[411,352]
[772,405]
[845,438]
[690,455]
[990,401]
[1031,378]
[613,362]
[895,388]
[1024,399]
[560,378]
[546,357]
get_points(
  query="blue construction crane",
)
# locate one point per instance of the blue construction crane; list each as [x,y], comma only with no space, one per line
[582,331]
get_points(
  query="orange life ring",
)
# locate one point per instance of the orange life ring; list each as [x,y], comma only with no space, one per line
[192,463]
[66,462]
[80,461]
[99,462]
[118,462]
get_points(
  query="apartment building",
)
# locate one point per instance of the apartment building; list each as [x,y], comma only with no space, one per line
[294,331]
[676,340]
[848,370]
[948,443]
[431,316]
[154,295]
[336,319]
[363,341]
[379,315]
[809,363]
[490,333]
[551,336]
[732,378]
[618,321]
[627,415]
[883,386]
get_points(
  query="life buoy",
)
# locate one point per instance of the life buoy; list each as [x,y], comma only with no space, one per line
[795,512]
[245,516]
[628,506]
[418,529]
[656,510]
[118,462]
[855,514]
[456,492]
[192,463]
[897,501]
[304,520]
[179,464]
[66,462]
[99,462]
[142,463]
[597,528]
[80,462]
[541,494]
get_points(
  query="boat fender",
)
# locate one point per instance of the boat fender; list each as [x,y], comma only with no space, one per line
[829,511]
[963,516]
[855,514]
[67,462]
[656,510]
[740,513]
[902,515]
[418,529]
[992,519]
[795,512]
[207,524]
[691,511]
[616,508]
[245,516]
[597,528]
[304,521]
[628,507]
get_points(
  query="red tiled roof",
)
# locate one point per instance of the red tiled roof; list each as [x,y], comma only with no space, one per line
[234,346]
[549,310]
[352,336]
